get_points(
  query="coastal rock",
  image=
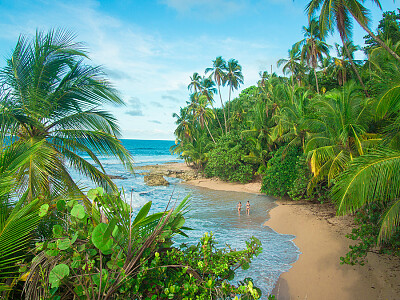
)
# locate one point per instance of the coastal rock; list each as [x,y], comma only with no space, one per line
[155,180]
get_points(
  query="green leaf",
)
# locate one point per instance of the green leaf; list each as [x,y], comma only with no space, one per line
[92,194]
[110,229]
[104,245]
[64,244]
[57,231]
[43,210]
[58,273]
[78,211]
[61,205]
[142,213]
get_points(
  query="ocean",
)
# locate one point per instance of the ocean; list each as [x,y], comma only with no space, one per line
[210,211]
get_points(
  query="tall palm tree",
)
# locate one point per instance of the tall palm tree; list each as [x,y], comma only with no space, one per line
[195,83]
[218,73]
[49,95]
[234,78]
[292,63]
[313,46]
[203,114]
[342,62]
[338,13]
[208,90]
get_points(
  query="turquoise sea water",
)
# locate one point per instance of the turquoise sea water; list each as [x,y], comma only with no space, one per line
[209,211]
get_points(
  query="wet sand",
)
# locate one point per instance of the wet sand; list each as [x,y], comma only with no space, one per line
[320,236]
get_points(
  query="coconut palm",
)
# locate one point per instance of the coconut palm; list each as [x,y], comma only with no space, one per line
[292,64]
[49,95]
[208,90]
[195,83]
[342,61]
[218,73]
[183,121]
[340,126]
[338,13]
[234,78]
[203,114]
[313,47]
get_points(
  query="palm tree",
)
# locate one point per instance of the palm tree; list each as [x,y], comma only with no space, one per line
[208,90]
[218,73]
[203,114]
[340,129]
[313,46]
[49,95]
[342,62]
[195,83]
[183,120]
[292,63]
[234,78]
[337,13]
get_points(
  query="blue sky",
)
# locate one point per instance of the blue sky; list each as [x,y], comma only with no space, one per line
[150,48]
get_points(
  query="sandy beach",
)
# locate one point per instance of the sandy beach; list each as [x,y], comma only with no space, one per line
[320,236]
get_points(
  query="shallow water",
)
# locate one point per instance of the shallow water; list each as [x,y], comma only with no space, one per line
[210,211]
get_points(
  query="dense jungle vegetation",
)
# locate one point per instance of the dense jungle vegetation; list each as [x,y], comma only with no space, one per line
[328,130]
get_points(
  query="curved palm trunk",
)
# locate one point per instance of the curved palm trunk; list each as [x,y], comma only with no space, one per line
[223,109]
[377,39]
[210,132]
[354,66]
[316,80]
[215,113]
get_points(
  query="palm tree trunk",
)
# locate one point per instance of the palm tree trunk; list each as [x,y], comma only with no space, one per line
[316,80]
[215,113]
[223,109]
[353,65]
[229,103]
[210,132]
[377,39]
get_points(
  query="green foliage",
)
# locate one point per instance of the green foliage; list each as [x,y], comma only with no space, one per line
[107,253]
[281,172]
[226,162]
[366,233]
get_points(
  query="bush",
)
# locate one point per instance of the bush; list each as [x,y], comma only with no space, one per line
[281,172]
[366,233]
[104,253]
[225,160]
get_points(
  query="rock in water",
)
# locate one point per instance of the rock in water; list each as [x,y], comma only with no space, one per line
[155,179]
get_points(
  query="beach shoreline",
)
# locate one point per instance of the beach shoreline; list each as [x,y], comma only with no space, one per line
[320,236]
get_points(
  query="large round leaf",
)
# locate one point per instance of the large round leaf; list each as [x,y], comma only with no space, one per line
[104,245]
[57,274]
[43,210]
[78,211]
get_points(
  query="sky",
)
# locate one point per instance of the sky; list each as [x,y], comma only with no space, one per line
[150,48]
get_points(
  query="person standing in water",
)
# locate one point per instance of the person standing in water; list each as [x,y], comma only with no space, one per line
[239,207]
[248,207]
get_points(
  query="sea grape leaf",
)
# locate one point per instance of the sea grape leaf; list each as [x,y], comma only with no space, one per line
[104,245]
[100,190]
[43,210]
[58,273]
[57,231]
[78,211]
[64,244]
[72,203]
[92,194]
[61,205]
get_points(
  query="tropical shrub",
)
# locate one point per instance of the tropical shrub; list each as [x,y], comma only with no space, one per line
[281,172]
[368,226]
[226,160]
[105,253]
